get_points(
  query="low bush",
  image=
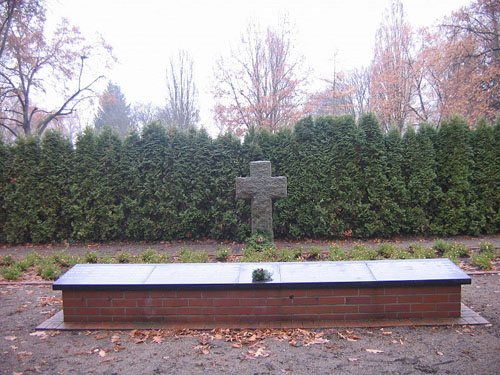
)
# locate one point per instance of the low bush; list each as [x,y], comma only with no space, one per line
[361,252]
[187,256]
[314,252]
[222,254]
[482,260]
[336,253]
[91,257]
[11,272]
[385,250]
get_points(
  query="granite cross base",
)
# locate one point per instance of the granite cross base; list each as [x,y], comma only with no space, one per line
[305,294]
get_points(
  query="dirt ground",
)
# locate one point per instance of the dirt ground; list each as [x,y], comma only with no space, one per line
[405,350]
[210,247]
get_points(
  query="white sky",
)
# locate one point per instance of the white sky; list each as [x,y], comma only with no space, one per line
[145,33]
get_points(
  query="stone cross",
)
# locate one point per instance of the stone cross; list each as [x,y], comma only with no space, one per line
[261,188]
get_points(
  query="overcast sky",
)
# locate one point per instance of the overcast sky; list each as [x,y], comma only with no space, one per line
[145,33]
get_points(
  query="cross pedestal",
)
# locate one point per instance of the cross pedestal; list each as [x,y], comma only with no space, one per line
[261,188]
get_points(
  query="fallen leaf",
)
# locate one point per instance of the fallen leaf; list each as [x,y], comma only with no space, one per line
[41,334]
[439,353]
[118,348]
[13,347]
[317,341]
[10,338]
[158,339]
[102,336]
[115,339]
[353,359]
[236,345]
[102,353]
[374,351]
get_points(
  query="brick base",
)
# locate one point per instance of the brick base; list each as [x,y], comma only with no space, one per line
[242,306]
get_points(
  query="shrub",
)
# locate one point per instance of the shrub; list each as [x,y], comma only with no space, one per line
[259,241]
[421,252]
[48,270]
[482,260]
[222,253]
[33,258]
[64,259]
[22,265]
[91,257]
[460,249]
[149,256]
[267,254]
[123,257]
[361,252]
[187,256]
[442,246]
[7,260]
[297,251]
[385,250]
[336,252]
[400,253]
[11,273]
[488,249]
[106,259]
[286,255]
[315,252]
[452,255]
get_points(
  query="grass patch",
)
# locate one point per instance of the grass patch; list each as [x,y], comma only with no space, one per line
[222,253]
[361,252]
[187,256]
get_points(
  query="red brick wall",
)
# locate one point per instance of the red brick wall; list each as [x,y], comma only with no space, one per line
[262,305]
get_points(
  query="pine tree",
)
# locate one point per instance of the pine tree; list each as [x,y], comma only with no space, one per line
[114,112]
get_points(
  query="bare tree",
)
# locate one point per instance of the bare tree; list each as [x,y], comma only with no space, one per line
[391,82]
[181,109]
[259,84]
[32,63]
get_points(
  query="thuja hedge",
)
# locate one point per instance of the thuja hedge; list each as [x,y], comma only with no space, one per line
[344,179]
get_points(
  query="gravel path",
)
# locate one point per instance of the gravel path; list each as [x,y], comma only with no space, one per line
[404,350]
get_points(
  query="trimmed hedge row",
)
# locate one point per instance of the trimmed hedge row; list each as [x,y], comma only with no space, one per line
[344,179]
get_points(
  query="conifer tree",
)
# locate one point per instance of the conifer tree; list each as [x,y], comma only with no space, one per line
[377,212]
[487,176]
[457,211]
[419,170]
[398,194]
[22,194]
[56,165]
[114,112]
[4,183]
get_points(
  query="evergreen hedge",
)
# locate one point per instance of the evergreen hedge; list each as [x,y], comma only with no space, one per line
[344,179]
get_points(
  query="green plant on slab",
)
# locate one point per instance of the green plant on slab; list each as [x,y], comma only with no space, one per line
[336,253]
[260,274]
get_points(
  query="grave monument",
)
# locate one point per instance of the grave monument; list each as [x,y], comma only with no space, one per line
[261,189]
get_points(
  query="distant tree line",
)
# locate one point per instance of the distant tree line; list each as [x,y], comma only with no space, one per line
[345,179]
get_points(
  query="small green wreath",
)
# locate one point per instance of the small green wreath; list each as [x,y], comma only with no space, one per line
[260,274]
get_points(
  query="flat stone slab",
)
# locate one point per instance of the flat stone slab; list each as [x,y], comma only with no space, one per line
[408,272]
